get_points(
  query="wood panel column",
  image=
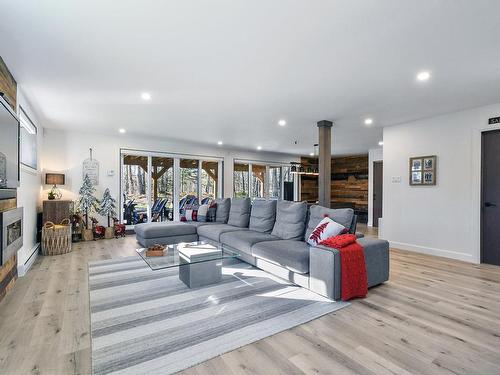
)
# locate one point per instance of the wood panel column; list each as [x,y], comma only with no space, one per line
[325,160]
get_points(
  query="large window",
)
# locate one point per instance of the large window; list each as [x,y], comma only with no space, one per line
[209,179]
[156,186]
[258,181]
[240,180]
[275,182]
[262,181]
[162,188]
[29,152]
[188,178]
[134,189]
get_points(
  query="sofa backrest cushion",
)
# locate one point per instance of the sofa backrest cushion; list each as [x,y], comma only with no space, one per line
[239,214]
[290,220]
[262,216]
[222,212]
[343,216]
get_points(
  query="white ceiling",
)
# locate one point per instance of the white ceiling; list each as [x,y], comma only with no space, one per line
[229,70]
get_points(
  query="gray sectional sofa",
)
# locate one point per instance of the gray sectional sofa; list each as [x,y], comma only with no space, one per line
[271,236]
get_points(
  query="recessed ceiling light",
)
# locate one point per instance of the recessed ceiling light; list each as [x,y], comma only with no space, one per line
[381,143]
[219,143]
[282,122]
[311,154]
[368,121]
[259,148]
[146,96]
[423,76]
[122,130]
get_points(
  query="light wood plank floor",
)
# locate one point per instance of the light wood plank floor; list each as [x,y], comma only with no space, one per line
[434,316]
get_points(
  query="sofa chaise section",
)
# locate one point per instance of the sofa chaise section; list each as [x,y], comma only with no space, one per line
[325,272]
[164,233]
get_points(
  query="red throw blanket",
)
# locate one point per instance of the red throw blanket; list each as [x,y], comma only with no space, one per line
[354,281]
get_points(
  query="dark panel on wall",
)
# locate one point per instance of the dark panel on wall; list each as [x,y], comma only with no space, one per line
[349,181]
[8,85]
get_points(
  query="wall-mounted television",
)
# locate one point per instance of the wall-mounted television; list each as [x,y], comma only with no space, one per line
[9,147]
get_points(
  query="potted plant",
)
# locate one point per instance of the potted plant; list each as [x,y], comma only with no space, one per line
[108,209]
[87,204]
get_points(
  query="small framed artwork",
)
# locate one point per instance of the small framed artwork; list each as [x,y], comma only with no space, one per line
[429,178]
[423,170]
[416,164]
[429,163]
[416,178]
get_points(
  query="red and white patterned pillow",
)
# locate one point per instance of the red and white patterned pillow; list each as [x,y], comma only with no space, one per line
[325,229]
[189,213]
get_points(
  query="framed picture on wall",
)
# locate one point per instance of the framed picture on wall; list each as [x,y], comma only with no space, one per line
[423,170]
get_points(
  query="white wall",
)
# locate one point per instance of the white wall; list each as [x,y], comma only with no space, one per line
[444,219]
[374,154]
[64,151]
[28,194]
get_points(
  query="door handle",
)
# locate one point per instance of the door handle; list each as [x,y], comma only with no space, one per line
[489,204]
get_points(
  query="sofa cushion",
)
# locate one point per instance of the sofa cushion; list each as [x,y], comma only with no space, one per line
[165,229]
[343,216]
[290,254]
[213,232]
[239,214]
[245,239]
[290,220]
[262,216]
[222,210]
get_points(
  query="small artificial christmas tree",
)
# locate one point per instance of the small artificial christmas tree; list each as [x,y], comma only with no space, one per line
[87,202]
[108,206]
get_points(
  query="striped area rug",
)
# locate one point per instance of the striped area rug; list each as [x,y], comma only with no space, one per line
[149,322]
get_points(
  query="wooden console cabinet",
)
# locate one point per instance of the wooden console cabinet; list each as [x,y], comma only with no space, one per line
[56,211]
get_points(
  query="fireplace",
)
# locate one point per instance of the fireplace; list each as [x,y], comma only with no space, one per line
[11,235]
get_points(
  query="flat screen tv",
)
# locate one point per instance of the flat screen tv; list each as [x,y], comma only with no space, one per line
[9,147]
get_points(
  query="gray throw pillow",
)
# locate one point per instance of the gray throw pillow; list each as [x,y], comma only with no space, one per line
[262,216]
[290,220]
[239,214]
[222,211]
[343,216]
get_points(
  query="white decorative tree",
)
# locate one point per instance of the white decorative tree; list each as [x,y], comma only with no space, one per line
[87,202]
[108,206]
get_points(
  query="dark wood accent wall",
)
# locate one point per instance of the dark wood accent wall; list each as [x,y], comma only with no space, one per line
[8,85]
[8,273]
[349,182]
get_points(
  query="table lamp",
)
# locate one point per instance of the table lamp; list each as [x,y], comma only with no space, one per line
[54,179]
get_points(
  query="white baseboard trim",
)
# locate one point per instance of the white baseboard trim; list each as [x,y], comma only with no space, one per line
[24,268]
[433,251]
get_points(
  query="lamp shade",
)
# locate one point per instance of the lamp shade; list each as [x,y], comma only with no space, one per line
[55,179]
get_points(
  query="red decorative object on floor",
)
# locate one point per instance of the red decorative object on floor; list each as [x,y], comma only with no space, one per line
[119,230]
[354,282]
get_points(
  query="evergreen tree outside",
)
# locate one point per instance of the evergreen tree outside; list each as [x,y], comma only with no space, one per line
[108,206]
[87,202]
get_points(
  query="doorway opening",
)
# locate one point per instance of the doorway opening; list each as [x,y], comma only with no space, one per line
[378,177]
[490,197]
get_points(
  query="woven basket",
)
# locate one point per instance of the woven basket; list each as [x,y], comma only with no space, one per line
[56,239]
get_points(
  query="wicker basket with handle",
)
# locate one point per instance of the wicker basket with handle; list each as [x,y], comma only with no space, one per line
[56,239]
